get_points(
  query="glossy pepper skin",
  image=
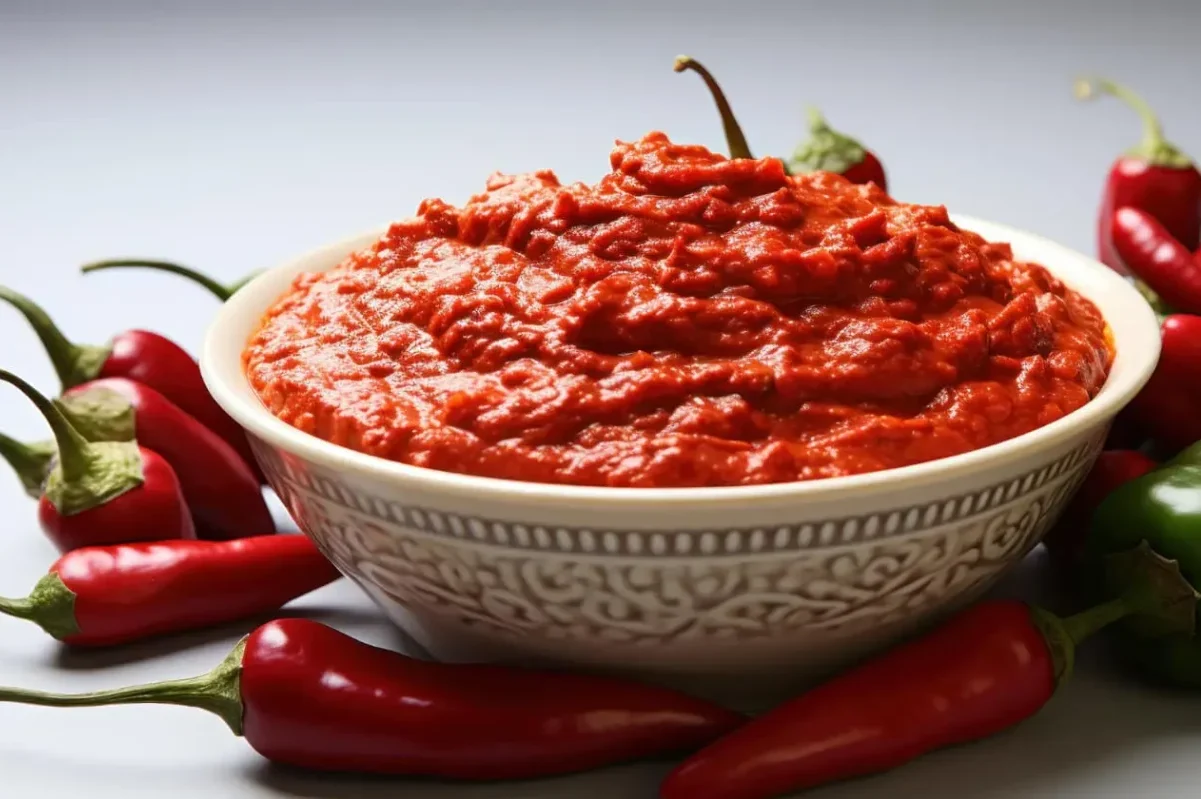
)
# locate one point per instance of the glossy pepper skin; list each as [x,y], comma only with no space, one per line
[1166,407]
[104,492]
[1151,254]
[104,596]
[829,150]
[222,492]
[306,695]
[985,670]
[138,355]
[1162,508]
[1113,468]
[1155,177]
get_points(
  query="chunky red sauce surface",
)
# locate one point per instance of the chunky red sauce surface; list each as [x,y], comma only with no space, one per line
[688,321]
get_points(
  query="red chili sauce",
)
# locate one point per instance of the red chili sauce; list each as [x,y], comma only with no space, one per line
[688,321]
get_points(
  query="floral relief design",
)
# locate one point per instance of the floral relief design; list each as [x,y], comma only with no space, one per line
[837,587]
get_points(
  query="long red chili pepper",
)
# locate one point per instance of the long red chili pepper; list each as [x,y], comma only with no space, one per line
[1166,408]
[223,494]
[306,695]
[1155,177]
[31,462]
[1065,542]
[102,596]
[104,492]
[138,355]
[987,669]
[829,150]
[222,291]
[1151,253]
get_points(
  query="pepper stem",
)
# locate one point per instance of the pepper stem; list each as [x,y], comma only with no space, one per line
[50,605]
[735,140]
[1087,623]
[31,462]
[73,448]
[74,363]
[1154,147]
[222,292]
[218,691]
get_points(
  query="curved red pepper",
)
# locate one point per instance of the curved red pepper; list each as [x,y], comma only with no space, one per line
[102,596]
[1155,177]
[222,492]
[104,492]
[1149,252]
[1167,407]
[306,695]
[138,355]
[985,670]
[1113,468]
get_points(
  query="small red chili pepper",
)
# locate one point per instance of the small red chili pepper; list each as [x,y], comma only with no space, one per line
[1155,177]
[829,150]
[104,492]
[222,492]
[31,462]
[1113,468]
[1160,261]
[222,291]
[987,669]
[306,695]
[1166,408]
[103,596]
[138,355]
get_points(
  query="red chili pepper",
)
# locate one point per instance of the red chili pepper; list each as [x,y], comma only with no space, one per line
[829,150]
[222,492]
[1166,408]
[138,355]
[987,669]
[222,291]
[104,492]
[31,462]
[306,695]
[1154,257]
[1155,177]
[102,596]
[1113,468]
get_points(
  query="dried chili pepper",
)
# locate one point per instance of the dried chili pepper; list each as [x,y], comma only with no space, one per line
[31,462]
[829,150]
[734,136]
[138,355]
[1155,177]
[104,492]
[1166,407]
[990,667]
[103,596]
[222,291]
[306,695]
[222,492]
[1113,468]
[1152,255]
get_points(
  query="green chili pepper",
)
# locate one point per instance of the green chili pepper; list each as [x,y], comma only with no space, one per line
[1163,509]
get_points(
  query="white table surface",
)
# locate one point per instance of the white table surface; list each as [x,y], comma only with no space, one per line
[230,135]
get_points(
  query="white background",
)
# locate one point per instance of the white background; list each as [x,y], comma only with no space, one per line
[232,135]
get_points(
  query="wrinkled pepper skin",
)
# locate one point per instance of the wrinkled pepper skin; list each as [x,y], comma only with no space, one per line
[1163,507]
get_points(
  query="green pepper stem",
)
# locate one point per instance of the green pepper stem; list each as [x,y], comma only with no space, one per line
[1085,624]
[73,448]
[817,122]
[218,691]
[30,462]
[18,608]
[734,137]
[221,292]
[74,363]
[1089,88]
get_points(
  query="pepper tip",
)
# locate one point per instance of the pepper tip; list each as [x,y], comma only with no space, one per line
[681,63]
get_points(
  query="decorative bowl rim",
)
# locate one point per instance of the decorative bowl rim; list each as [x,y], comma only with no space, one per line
[1133,324]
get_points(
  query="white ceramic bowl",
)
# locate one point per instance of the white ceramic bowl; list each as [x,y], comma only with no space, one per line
[787,578]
